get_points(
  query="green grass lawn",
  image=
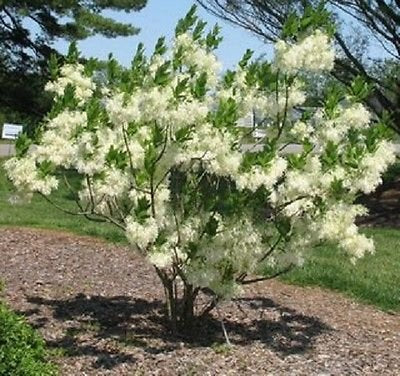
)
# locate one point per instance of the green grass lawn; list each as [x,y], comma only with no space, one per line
[41,214]
[375,279]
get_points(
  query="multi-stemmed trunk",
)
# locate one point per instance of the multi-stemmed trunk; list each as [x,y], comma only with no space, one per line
[180,297]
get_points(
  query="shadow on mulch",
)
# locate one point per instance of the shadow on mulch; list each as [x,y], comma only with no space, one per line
[139,323]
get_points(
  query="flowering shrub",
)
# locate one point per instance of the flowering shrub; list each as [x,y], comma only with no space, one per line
[160,155]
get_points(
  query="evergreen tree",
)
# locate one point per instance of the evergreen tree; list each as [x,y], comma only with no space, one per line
[28,29]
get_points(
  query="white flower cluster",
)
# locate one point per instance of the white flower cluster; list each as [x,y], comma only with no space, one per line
[301,130]
[259,176]
[351,117]
[337,225]
[57,143]
[237,244]
[141,234]
[198,57]
[25,175]
[314,54]
[163,161]
[213,149]
[72,74]
[372,166]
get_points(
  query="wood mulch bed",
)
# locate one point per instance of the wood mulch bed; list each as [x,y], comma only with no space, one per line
[99,307]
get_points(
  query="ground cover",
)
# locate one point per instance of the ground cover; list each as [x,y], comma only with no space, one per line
[22,350]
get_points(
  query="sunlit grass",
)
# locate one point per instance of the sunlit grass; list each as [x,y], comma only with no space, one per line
[374,279]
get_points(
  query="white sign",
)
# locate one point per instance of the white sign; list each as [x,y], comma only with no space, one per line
[11,131]
[259,133]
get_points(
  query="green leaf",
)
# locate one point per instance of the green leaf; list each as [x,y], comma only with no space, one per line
[226,114]
[96,114]
[308,147]
[334,96]
[142,209]
[338,189]
[163,76]
[193,249]
[330,156]
[198,30]
[296,161]
[291,26]
[132,128]
[246,58]
[117,158]
[22,145]
[184,24]
[90,66]
[360,89]
[181,88]
[199,89]
[150,159]
[211,227]
[213,38]
[139,57]
[46,168]
[177,58]
[313,18]
[229,78]
[158,135]
[183,134]
[284,226]
[160,48]
[54,68]
[113,69]
[73,53]
[68,100]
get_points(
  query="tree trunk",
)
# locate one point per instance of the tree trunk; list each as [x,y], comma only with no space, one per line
[189,297]
[179,303]
[171,305]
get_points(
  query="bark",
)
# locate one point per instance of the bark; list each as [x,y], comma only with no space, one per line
[179,303]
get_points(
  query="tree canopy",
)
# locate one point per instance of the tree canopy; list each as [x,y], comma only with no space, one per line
[27,30]
[158,149]
[376,20]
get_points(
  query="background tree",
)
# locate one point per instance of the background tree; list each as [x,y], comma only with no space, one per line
[27,30]
[377,20]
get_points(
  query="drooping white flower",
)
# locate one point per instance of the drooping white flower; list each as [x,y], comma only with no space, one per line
[141,234]
[314,53]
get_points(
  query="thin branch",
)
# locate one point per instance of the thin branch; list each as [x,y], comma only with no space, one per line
[67,211]
[277,274]
[272,249]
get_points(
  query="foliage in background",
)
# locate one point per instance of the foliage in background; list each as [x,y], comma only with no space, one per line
[27,31]
[159,154]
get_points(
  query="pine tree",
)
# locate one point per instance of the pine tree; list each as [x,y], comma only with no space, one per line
[28,29]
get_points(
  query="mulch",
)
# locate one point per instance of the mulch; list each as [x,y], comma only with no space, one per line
[98,306]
